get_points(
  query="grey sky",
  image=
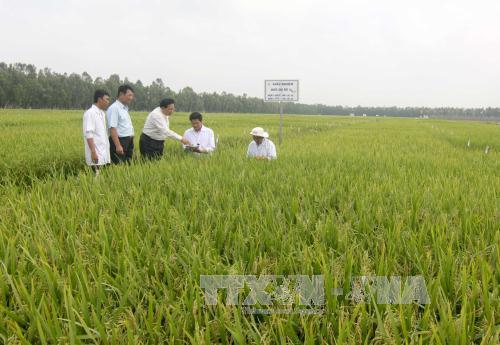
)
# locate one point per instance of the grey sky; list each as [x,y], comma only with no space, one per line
[385,52]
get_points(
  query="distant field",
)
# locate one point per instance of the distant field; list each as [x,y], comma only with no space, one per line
[118,259]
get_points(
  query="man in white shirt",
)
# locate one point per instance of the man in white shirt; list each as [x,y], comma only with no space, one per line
[157,129]
[261,147]
[201,137]
[95,132]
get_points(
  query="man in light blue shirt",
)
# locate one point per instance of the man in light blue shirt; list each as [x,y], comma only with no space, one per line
[121,130]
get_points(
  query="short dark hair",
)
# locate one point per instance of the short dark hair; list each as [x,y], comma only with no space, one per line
[166,102]
[124,88]
[100,94]
[195,116]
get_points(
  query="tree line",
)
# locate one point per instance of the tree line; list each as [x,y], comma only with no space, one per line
[24,86]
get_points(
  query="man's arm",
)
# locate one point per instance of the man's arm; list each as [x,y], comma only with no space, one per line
[185,140]
[88,131]
[163,126]
[112,116]
[249,151]
[211,143]
[93,152]
[272,151]
[116,141]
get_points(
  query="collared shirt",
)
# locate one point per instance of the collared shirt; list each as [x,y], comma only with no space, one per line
[94,126]
[119,118]
[204,138]
[157,126]
[265,149]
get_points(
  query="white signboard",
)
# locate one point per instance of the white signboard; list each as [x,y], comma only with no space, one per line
[281,91]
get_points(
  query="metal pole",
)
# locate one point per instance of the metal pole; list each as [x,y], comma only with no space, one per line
[281,123]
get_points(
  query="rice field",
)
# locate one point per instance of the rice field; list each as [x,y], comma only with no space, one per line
[118,259]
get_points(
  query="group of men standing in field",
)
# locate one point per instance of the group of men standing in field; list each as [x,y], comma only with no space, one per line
[109,137]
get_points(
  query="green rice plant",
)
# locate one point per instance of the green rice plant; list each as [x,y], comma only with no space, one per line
[118,258]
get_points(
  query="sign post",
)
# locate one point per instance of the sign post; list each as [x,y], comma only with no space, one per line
[281,91]
[281,123]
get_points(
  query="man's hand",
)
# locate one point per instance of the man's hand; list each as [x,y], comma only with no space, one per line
[185,141]
[94,157]
[119,150]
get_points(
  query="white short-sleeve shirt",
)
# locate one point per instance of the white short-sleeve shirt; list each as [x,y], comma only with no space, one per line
[265,149]
[94,126]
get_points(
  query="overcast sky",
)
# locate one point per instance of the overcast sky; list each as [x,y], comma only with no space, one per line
[348,52]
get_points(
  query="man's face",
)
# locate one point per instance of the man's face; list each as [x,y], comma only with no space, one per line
[169,109]
[103,102]
[196,124]
[127,97]
[258,140]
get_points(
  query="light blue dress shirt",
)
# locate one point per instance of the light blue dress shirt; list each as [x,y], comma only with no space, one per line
[119,118]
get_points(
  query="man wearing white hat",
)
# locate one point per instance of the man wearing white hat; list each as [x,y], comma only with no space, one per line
[261,147]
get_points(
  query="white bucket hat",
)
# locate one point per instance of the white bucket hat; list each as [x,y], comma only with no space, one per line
[259,132]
